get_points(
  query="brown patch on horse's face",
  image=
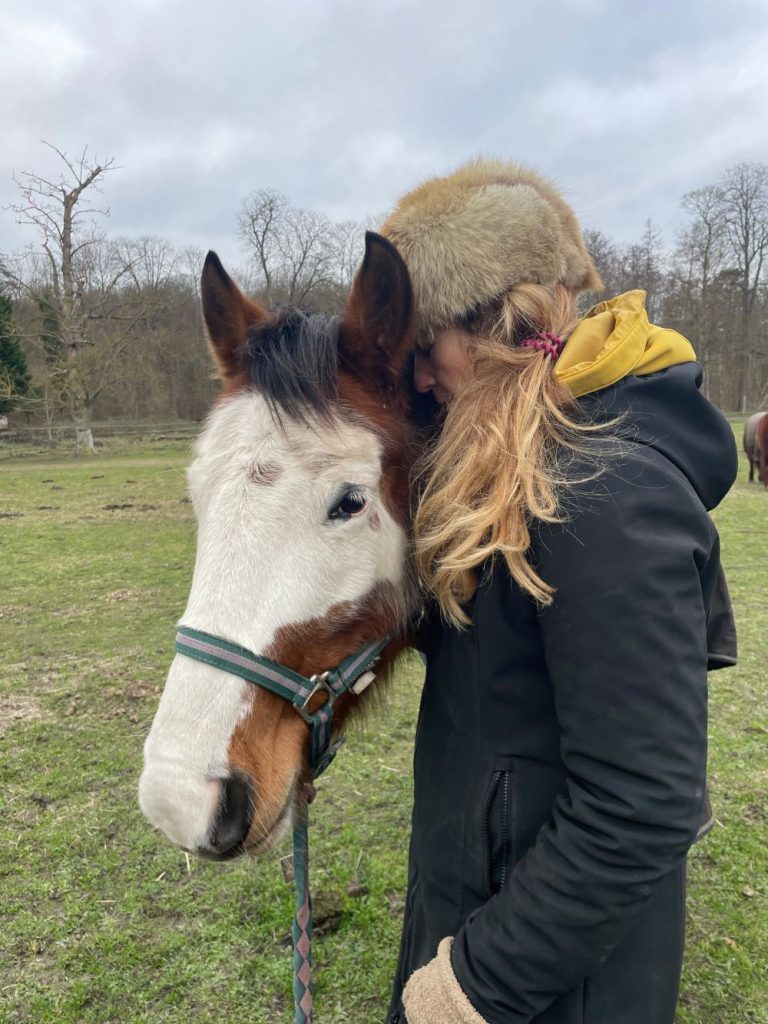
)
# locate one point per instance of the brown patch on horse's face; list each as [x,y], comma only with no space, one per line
[268,746]
[344,630]
[271,744]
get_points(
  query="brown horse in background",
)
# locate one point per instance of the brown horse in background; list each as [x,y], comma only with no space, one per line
[761,442]
[756,446]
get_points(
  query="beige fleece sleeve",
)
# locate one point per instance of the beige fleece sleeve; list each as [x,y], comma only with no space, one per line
[433,995]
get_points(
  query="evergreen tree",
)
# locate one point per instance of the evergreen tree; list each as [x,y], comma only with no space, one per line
[14,378]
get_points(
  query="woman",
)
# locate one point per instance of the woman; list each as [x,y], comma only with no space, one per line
[563,533]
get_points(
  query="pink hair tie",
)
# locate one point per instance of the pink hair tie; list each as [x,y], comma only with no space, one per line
[545,342]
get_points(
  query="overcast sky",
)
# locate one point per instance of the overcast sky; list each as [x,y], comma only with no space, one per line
[343,104]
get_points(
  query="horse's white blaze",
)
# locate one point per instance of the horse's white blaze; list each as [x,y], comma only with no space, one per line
[186,750]
[267,556]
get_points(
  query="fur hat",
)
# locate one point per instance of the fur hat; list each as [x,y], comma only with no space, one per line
[471,236]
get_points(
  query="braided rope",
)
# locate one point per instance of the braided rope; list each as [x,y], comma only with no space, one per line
[545,342]
[301,929]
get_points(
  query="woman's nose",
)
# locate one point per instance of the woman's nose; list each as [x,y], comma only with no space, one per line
[423,377]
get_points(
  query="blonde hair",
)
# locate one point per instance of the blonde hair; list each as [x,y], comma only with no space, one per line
[500,462]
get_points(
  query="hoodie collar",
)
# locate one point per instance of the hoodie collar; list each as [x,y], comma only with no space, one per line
[616,339]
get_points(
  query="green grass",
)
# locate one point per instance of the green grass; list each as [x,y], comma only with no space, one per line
[106,922]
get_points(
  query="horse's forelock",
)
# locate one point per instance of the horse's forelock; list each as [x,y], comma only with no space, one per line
[293,363]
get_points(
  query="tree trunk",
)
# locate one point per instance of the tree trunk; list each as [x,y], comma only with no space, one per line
[83,429]
[80,406]
[84,437]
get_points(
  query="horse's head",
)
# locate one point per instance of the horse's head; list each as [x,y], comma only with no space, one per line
[300,488]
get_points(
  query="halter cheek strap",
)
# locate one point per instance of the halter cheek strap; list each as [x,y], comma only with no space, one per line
[353,675]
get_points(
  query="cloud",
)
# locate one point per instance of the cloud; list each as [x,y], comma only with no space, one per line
[343,105]
[45,45]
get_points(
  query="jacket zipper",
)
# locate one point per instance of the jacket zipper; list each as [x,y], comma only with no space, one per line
[504,829]
[486,842]
[499,777]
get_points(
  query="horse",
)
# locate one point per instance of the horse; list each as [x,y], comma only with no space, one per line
[761,444]
[756,446]
[300,486]
[303,581]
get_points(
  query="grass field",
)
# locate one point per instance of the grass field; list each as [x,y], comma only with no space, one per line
[105,922]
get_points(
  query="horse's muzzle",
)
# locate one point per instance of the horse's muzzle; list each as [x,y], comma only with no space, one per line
[206,816]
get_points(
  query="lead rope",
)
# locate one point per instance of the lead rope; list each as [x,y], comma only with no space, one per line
[301,931]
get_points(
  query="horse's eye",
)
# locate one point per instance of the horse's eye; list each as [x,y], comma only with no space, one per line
[351,503]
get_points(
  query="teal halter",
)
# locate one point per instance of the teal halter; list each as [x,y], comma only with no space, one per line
[353,675]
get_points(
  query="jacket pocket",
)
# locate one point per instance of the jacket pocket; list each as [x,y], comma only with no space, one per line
[499,827]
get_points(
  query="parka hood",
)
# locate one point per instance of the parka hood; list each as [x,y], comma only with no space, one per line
[614,339]
[623,367]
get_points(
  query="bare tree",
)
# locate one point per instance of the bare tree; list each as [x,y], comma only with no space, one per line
[291,247]
[703,241]
[151,261]
[606,258]
[83,275]
[347,244]
[644,266]
[261,221]
[744,202]
[695,288]
[189,266]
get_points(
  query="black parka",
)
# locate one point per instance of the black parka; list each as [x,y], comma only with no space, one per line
[560,753]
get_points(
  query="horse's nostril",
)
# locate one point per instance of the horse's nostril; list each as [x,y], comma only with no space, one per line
[234,816]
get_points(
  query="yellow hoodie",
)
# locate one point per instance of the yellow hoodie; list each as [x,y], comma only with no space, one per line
[616,339]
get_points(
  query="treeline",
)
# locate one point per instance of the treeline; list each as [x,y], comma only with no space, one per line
[711,285]
[110,327]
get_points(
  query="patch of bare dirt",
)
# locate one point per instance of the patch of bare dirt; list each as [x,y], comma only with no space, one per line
[137,689]
[124,594]
[120,506]
[15,708]
[127,700]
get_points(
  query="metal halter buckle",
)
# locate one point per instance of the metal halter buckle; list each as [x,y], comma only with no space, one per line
[321,685]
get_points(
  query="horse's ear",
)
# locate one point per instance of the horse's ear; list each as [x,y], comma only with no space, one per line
[228,315]
[374,333]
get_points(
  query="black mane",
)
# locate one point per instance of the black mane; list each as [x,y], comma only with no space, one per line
[294,362]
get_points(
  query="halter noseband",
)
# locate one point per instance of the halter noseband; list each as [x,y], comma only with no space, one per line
[353,675]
